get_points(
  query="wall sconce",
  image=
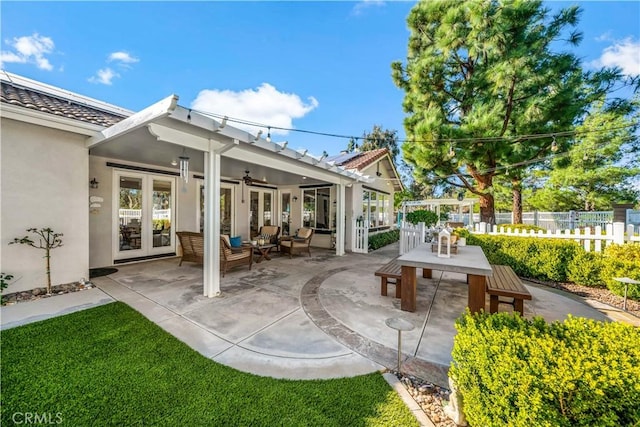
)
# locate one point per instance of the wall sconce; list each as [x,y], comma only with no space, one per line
[295,198]
[93,183]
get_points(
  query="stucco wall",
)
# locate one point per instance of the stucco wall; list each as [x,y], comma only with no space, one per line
[44,183]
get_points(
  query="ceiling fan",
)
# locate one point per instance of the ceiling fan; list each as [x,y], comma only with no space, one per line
[249,181]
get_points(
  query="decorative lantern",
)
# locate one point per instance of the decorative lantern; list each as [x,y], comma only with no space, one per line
[444,238]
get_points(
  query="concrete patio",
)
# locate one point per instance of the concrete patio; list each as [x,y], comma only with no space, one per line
[301,318]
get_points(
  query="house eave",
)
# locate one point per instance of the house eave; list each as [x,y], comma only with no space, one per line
[158,110]
[49,120]
[300,158]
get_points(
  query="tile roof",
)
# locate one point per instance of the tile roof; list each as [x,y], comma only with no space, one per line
[59,106]
[364,159]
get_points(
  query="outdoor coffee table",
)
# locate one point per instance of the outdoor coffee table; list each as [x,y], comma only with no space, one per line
[469,260]
[263,251]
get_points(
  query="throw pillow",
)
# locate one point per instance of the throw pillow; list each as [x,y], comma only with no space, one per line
[236,241]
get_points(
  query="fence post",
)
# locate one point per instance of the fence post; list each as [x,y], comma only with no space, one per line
[618,233]
[403,237]
[421,230]
[483,228]
[535,218]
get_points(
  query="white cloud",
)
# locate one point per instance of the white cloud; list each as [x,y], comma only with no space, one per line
[365,4]
[265,105]
[123,58]
[29,49]
[104,76]
[624,54]
[605,37]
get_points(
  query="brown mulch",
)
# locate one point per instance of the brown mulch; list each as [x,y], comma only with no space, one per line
[603,295]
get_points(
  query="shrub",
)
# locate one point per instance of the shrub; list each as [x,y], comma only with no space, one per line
[428,217]
[585,269]
[5,278]
[517,372]
[543,259]
[379,240]
[621,261]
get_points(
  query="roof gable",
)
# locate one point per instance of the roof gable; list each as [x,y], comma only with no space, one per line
[361,160]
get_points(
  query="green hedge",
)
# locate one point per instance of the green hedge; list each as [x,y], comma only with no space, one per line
[621,261]
[379,240]
[512,371]
[561,260]
[542,259]
[428,217]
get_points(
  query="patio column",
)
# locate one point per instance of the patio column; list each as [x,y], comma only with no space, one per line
[340,219]
[211,267]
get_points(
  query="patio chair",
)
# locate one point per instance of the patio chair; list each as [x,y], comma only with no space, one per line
[270,233]
[192,246]
[298,244]
[232,257]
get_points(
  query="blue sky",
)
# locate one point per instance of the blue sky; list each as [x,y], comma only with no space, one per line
[320,66]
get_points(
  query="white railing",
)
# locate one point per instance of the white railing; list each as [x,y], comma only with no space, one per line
[126,215]
[633,217]
[360,236]
[591,239]
[411,236]
[559,220]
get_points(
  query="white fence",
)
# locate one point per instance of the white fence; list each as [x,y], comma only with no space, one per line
[560,220]
[591,241]
[360,236]
[414,235]
[411,236]
[126,215]
[556,220]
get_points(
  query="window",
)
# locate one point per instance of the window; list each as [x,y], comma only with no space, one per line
[375,208]
[317,208]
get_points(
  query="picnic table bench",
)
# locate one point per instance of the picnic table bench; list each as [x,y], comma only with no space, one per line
[505,283]
[391,270]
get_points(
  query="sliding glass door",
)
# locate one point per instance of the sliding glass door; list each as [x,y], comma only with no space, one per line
[144,215]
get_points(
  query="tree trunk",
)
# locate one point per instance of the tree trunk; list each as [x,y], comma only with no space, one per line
[48,257]
[516,186]
[487,209]
[487,206]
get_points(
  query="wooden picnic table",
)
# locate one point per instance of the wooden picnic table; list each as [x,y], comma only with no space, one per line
[469,260]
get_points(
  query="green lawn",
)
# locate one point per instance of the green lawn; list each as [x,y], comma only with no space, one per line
[111,366]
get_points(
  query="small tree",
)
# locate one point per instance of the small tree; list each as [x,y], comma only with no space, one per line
[48,240]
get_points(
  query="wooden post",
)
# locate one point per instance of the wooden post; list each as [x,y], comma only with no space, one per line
[408,300]
[477,289]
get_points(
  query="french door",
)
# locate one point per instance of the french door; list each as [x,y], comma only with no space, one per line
[261,210]
[227,209]
[144,215]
